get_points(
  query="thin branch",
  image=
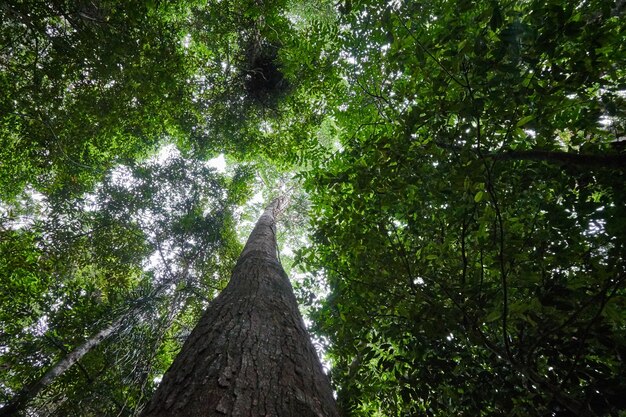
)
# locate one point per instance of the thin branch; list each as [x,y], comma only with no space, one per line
[565,158]
[604,300]
[62,348]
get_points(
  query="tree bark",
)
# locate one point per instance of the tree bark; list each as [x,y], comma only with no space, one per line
[250,354]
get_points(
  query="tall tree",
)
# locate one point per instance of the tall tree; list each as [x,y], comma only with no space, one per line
[81,314]
[250,353]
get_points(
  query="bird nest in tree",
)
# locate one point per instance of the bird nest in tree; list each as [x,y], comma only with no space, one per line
[264,81]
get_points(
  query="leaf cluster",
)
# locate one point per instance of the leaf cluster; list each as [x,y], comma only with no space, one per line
[470,227]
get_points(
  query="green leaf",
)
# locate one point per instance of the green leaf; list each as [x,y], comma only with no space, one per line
[493,316]
[524,120]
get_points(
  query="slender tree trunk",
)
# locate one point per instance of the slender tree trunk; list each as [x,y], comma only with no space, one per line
[250,354]
[31,390]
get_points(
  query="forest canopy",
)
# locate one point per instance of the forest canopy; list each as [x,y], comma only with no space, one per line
[457,230]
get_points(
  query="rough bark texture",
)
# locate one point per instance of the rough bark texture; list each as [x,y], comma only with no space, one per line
[250,354]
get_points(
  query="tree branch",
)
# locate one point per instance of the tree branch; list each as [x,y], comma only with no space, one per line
[565,158]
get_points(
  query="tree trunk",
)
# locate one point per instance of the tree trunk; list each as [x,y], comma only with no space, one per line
[31,390]
[250,354]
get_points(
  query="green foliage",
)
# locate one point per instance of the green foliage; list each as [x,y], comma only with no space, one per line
[464,277]
[150,247]
[85,85]
[463,161]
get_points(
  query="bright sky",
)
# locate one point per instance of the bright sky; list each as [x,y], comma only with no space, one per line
[219,163]
[167,151]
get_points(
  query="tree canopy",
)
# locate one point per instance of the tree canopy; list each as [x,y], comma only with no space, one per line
[457,170]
